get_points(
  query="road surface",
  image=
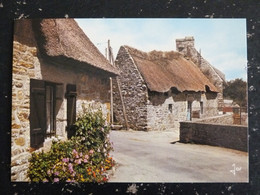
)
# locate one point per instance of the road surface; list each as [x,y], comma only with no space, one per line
[157,157]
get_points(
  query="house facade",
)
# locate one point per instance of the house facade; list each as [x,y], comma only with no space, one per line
[56,71]
[160,89]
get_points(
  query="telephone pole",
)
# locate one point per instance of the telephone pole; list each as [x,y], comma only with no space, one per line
[112,61]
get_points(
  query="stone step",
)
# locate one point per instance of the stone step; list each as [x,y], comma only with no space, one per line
[116,127]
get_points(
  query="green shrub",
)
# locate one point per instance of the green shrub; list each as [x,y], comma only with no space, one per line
[83,158]
[93,133]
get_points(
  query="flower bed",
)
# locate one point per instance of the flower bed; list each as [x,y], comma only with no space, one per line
[83,158]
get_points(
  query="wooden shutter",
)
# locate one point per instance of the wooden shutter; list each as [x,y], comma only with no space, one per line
[37,113]
[71,96]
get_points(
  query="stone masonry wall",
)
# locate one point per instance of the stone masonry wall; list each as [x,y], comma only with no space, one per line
[134,92]
[27,64]
[24,62]
[165,113]
[226,119]
[229,136]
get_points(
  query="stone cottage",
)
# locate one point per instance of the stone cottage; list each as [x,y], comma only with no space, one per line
[56,69]
[159,89]
[186,46]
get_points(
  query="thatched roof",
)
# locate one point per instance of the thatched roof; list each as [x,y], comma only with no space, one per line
[165,70]
[64,39]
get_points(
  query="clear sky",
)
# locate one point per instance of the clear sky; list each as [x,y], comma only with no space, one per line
[222,41]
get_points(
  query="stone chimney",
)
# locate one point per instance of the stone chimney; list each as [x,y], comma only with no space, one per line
[183,44]
[186,47]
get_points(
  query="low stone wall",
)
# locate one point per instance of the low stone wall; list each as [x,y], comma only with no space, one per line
[228,136]
[226,119]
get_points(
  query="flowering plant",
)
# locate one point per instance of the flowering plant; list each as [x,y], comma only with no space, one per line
[83,158]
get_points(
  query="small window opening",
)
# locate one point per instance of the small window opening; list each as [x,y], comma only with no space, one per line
[50,109]
[201,107]
[170,108]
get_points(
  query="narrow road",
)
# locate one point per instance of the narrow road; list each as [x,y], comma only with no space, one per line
[157,157]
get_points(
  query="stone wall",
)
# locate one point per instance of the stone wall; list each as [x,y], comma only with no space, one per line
[226,119]
[24,62]
[92,89]
[134,92]
[165,112]
[229,136]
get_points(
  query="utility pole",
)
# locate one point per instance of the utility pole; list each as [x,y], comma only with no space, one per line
[112,61]
[111,84]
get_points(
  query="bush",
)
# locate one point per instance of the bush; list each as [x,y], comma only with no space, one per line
[93,133]
[83,158]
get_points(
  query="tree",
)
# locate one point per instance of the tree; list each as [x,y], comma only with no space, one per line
[237,91]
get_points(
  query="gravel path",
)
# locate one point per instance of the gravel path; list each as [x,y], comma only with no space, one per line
[157,157]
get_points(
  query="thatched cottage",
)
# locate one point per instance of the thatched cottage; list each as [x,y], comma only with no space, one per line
[186,46]
[159,89]
[56,69]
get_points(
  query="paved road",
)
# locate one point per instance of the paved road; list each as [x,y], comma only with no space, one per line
[152,157]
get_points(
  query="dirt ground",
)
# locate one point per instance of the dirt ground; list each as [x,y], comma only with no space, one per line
[159,157]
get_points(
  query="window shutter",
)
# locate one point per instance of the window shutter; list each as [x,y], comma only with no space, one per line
[37,113]
[71,96]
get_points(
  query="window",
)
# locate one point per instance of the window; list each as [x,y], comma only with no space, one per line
[43,110]
[201,107]
[71,96]
[189,111]
[170,108]
[50,109]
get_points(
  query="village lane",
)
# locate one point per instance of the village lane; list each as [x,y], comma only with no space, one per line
[157,157]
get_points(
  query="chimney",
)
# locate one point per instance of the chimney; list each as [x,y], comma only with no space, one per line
[182,45]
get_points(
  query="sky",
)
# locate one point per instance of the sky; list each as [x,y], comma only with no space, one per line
[222,41]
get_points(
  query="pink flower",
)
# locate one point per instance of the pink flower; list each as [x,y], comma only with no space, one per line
[85,160]
[56,173]
[45,180]
[65,160]
[91,151]
[70,166]
[68,180]
[78,161]
[86,156]
[56,179]
[80,154]
[75,153]
[49,172]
